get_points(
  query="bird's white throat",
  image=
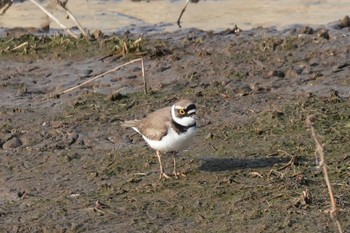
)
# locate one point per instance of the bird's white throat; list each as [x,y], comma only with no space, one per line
[184,121]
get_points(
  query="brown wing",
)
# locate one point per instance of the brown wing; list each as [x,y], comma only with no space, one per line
[155,126]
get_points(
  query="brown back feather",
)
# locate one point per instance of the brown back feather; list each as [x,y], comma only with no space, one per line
[154,126]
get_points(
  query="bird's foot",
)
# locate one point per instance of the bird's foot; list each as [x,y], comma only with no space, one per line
[163,175]
[179,174]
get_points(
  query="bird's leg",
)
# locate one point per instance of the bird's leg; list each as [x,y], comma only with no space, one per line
[176,174]
[182,12]
[161,173]
[174,158]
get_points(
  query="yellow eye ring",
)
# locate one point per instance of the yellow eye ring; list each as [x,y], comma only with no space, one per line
[182,112]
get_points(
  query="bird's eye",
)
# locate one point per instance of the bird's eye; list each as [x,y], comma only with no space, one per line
[182,112]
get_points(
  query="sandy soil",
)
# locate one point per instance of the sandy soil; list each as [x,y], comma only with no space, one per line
[61,158]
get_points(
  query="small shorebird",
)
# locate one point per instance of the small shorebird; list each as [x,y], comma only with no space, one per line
[183,10]
[169,129]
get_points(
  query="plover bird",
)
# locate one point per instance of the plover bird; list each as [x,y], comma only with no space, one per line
[169,129]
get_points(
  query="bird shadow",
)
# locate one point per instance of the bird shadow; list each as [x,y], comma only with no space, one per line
[211,164]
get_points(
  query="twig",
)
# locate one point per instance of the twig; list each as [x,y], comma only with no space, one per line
[20,46]
[182,12]
[85,34]
[289,164]
[144,77]
[4,3]
[320,152]
[107,72]
[54,18]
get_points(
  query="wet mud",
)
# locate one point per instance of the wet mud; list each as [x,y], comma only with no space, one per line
[68,166]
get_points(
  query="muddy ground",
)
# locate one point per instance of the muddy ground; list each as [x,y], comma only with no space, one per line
[61,157]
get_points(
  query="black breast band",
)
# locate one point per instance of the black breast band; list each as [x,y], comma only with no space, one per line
[180,128]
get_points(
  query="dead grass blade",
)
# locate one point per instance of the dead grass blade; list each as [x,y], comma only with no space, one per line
[69,13]
[144,77]
[320,151]
[107,72]
[54,18]
[7,3]
[182,12]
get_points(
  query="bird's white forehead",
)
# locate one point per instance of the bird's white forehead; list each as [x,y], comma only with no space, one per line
[192,111]
[189,106]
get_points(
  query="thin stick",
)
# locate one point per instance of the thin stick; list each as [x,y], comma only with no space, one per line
[86,35]
[20,46]
[144,77]
[107,72]
[54,18]
[182,12]
[320,151]
[8,3]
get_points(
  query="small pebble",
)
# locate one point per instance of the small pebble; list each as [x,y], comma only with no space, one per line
[306,30]
[276,73]
[324,34]
[115,96]
[12,143]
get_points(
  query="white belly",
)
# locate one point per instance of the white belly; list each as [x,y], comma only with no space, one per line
[172,141]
